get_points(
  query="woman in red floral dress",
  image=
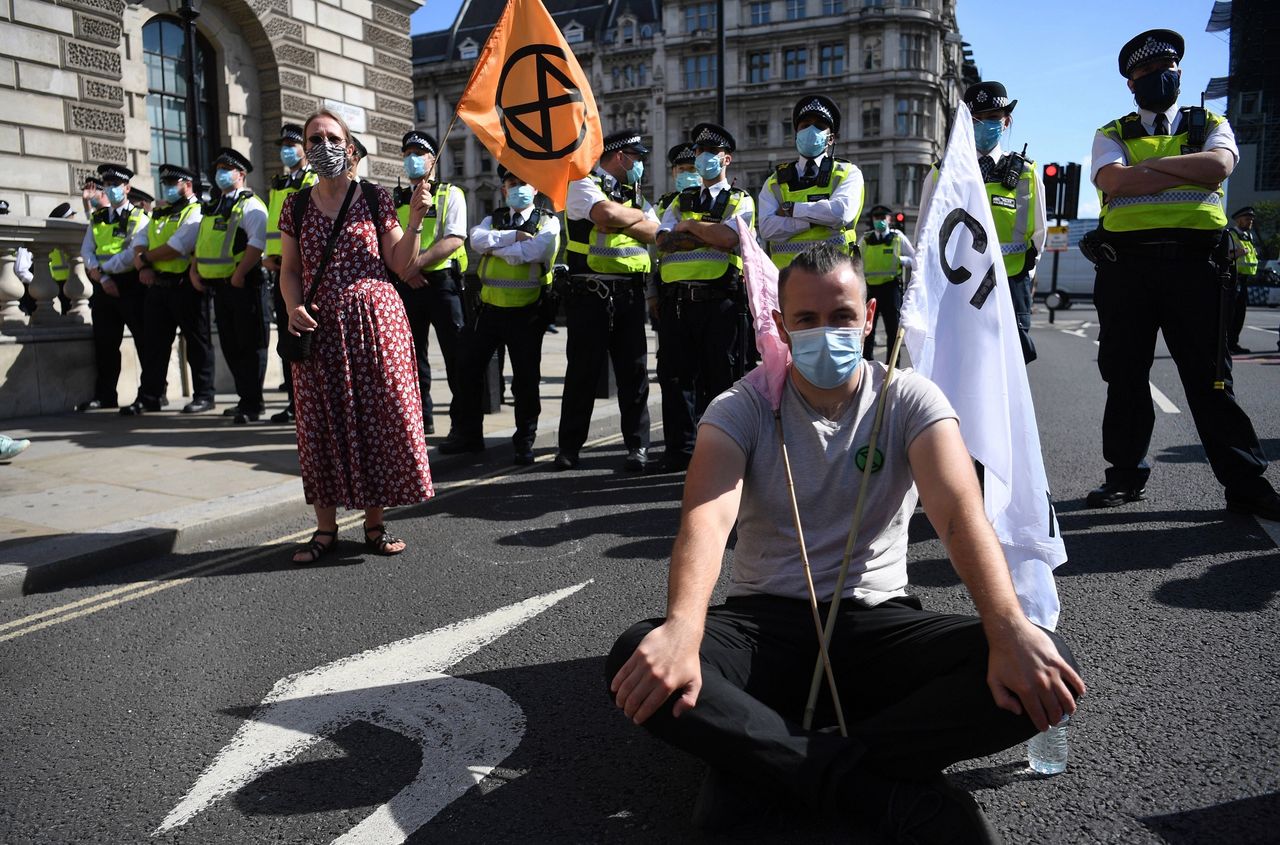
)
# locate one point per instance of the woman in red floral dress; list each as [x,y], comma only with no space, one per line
[359,413]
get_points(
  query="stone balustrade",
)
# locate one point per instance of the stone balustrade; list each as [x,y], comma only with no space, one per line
[41,237]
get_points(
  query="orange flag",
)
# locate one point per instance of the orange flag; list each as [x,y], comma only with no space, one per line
[529,102]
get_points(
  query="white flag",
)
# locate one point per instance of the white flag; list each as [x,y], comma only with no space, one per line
[962,335]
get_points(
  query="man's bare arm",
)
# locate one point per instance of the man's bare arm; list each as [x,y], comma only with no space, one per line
[667,660]
[1025,671]
[645,231]
[608,214]
[437,252]
[1210,168]
[673,241]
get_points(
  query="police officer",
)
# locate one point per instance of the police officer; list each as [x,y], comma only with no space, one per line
[885,252]
[162,256]
[1016,196]
[233,234]
[141,199]
[1160,171]
[609,225]
[517,245]
[683,176]
[1244,250]
[432,289]
[817,197]
[700,326]
[92,197]
[59,263]
[296,176]
[116,301]
[360,153]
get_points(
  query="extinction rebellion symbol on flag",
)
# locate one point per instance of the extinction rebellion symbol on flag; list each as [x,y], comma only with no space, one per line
[556,90]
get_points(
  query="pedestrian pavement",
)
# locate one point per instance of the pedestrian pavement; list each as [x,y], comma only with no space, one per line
[98,490]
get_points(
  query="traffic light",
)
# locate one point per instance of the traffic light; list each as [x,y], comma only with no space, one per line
[1071,199]
[899,220]
[1062,191]
[1052,181]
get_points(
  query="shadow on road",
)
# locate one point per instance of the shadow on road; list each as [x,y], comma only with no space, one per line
[1249,821]
[1237,586]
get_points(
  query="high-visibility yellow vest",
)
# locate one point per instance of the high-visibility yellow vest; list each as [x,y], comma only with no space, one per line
[508,285]
[704,263]
[1179,207]
[163,226]
[785,185]
[881,258]
[221,242]
[1012,211]
[59,266]
[283,187]
[589,250]
[110,238]
[430,223]
[1247,264]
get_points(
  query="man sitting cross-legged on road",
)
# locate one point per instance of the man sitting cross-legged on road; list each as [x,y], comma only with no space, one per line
[920,690]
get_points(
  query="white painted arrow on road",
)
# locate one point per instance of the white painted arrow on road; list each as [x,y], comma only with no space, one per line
[465,728]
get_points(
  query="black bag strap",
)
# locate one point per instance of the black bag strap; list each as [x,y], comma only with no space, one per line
[301,203]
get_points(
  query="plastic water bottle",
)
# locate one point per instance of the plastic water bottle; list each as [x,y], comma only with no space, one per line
[1047,752]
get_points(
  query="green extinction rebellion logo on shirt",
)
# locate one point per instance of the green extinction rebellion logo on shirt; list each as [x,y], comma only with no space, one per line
[861,459]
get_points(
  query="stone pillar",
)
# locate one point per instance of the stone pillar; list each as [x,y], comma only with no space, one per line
[11,290]
[77,289]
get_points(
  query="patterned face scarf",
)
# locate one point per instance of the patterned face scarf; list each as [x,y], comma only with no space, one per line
[328,160]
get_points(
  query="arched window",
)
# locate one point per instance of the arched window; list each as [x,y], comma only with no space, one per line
[164,52]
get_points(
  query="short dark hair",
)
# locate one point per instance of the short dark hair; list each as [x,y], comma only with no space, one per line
[820,259]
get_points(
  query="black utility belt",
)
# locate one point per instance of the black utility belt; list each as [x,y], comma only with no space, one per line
[1101,246]
[701,291]
[605,285]
[168,280]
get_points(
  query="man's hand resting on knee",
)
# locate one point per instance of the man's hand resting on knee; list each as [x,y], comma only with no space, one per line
[665,662]
[1026,673]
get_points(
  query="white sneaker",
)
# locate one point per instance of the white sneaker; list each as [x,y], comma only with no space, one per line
[10,448]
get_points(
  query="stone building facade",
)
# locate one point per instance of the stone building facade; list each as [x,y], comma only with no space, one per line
[87,81]
[896,68]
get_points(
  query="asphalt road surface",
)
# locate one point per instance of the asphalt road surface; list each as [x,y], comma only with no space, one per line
[130,710]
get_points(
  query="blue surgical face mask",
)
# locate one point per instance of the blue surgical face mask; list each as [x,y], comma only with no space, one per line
[225,179]
[812,141]
[1157,91]
[708,165]
[415,166]
[289,156]
[169,193]
[115,194]
[986,134]
[635,172]
[520,197]
[826,357]
[881,226]
[687,180]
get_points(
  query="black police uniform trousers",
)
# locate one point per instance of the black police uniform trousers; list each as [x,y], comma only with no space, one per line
[244,333]
[604,329]
[438,303]
[697,350]
[1239,308]
[1020,290]
[520,331]
[281,314]
[1176,293]
[912,684]
[888,299]
[111,315]
[173,304]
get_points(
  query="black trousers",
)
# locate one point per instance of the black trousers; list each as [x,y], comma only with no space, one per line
[1180,298]
[168,309]
[520,330]
[111,315]
[1238,309]
[697,345]
[912,683]
[1020,289]
[437,304]
[244,332]
[888,299]
[281,313]
[600,331]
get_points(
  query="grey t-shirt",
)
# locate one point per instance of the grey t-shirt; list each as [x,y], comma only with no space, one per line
[825,458]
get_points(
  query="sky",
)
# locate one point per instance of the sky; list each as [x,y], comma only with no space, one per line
[1063,73]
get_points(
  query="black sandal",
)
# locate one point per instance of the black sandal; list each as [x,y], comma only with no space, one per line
[315,548]
[383,542]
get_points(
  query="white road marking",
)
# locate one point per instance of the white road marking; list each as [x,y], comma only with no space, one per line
[1263,330]
[465,728]
[1163,402]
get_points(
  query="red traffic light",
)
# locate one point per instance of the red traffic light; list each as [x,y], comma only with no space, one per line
[1050,171]
[900,217]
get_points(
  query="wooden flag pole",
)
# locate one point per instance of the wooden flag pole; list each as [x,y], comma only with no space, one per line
[826,635]
[824,658]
